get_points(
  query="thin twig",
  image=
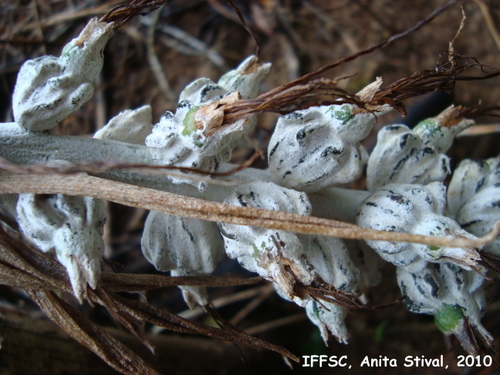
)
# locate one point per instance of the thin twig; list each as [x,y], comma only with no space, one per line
[121,14]
[252,305]
[290,96]
[489,21]
[47,275]
[135,282]
[229,299]
[175,204]
[154,61]
[276,323]
[90,335]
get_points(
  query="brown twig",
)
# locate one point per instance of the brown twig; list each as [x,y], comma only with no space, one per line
[490,23]
[287,97]
[244,24]
[98,167]
[308,90]
[175,204]
[121,14]
[43,276]
[90,335]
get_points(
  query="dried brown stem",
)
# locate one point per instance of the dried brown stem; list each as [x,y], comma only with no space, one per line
[42,276]
[320,91]
[98,167]
[121,14]
[133,282]
[326,92]
[288,97]
[443,78]
[90,335]
[175,204]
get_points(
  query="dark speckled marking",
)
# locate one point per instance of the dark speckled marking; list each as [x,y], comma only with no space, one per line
[428,151]
[321,176]
[207,89]
[432,283]
[241,201]
[470,223]
[392,127]
[401,162]
[191,237]
[184,103]
[420,289]
[459,279]
[398,198]
[274,149]
[167,115]
[480,184]
[444,165]
[301,134]
[404,139]
[295,115]
[330,151]
[224,233]
[252,195]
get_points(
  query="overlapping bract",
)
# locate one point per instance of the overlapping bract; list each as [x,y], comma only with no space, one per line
[326,136]
[195,133]
[405,174]
[72,228]
[403,155]
[414,209]
[474,198]
[295,264]
[48,88]
[186,247]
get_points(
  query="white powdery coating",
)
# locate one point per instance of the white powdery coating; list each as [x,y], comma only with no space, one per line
[432,288]
[319,147]
[439,132]
[367,262]
[467,180]
[419,210]
[266,251]
[401,156]
[48,89]
[330,260]
[414,156]
[246,78]
[69,226]
[195,135]
[474,198]
[187,247]
[292,261]
[130,126]
[175,242]
[328,317]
